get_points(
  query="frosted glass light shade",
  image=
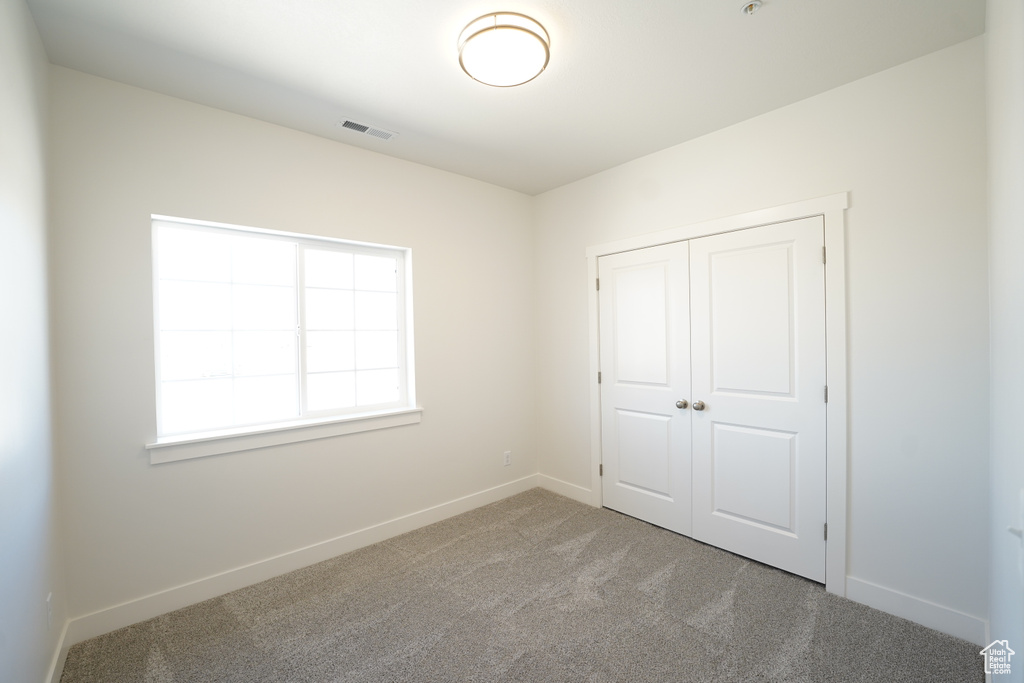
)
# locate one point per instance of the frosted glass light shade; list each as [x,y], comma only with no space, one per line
[504,49]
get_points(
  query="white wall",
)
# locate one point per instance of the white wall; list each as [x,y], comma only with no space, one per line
[133,529]
[1006,179]
[909,146]
[29,558]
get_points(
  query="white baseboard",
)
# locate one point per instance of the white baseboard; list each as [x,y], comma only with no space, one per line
[60,655]
[930,614]
[564,488]
[153,605]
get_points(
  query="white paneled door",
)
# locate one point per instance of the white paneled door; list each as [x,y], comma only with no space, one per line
[645,361]
[758,355]
[752,438]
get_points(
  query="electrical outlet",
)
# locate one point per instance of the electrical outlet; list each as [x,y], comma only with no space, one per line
[1019,533]
[1017,529]
[1021,516]
[508,458]
[49,611]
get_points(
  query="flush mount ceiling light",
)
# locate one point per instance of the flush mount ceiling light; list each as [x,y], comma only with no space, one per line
[504,49]
[751,7]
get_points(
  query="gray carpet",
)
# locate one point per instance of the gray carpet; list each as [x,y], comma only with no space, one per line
[533,588]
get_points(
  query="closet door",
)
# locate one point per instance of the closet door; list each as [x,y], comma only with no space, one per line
[645,366]
[758,391]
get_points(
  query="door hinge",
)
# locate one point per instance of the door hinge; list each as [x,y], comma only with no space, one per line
[826,393]
[598,281]
[823,255]
[600,470]
[826,531]
[599,377]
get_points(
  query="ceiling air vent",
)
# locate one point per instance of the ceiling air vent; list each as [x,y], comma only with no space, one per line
[379,133]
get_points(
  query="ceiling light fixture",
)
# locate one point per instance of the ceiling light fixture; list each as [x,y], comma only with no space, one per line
[751,7]
[504,49]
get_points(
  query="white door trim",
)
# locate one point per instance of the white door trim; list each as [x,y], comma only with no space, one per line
[832,208]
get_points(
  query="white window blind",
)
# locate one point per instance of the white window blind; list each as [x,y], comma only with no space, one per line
[257,328]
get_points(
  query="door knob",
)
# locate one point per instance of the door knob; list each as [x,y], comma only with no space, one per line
[682,404]
[698,405]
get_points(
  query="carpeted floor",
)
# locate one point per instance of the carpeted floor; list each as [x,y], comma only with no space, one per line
[533,588]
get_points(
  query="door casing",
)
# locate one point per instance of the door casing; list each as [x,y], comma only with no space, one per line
[832,209]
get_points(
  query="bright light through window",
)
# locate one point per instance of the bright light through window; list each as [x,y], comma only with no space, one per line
[258,328]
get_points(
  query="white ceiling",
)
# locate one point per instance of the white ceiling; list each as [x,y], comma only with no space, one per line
[626,77]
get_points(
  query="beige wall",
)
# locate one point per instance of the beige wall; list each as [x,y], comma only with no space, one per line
[909,146]
[1006,173]
[134,529]
[29,547]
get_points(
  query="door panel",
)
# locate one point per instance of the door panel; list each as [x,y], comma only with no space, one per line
[752,345]
[758,363]
[752,475]
[644,451]
[645,362]
[641,351]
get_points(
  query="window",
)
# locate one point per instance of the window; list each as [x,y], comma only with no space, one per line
[258,329]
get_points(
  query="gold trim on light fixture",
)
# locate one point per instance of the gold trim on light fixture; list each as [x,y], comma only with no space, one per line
[496,57]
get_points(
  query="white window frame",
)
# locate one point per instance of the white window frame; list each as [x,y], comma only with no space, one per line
[311,425]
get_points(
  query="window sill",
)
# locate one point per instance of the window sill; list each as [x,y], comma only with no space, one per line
[189,446]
